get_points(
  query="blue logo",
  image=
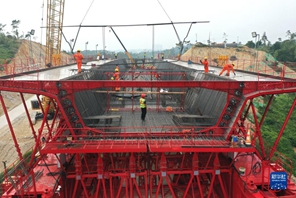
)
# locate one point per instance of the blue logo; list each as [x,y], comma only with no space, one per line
[278,180]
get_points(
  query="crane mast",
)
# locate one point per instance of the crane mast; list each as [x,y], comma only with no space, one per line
[55,17]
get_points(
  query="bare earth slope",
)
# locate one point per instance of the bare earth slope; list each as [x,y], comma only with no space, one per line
[244,58]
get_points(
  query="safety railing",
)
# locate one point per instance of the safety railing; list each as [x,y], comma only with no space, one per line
[282,163]
[194,136]
[279,161]
[272,68]
[18,169]
[16,66]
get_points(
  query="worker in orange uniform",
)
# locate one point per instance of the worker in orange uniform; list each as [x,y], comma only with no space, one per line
[116,77]
[206,64]
[143,107]
[227,67]
[78,56]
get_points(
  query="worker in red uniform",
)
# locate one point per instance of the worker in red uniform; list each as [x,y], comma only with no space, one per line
[206,64]
[143,107]
[78,56]
[227,67]
[116,77]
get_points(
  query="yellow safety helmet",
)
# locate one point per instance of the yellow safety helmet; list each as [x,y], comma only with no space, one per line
[112,78]
[116,70]
[78,50]
[206,57]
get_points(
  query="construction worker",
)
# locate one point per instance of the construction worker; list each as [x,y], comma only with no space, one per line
[117,67]
[162,56]
[98,56]
[143,107]
[115,55]
[206,64]
[116,77]
[227,67]
[78,56]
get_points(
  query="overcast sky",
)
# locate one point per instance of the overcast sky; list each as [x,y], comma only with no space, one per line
[236,18]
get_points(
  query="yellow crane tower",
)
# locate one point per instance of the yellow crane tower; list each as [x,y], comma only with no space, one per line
[55,17]
[54,24]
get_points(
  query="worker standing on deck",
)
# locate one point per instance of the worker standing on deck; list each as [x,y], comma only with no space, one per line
[143,106]
[116,77]
[227,67]
[117,67]
[78,56]
[206,64]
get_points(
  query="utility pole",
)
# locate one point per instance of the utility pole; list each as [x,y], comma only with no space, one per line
[86,50]
[255,35]
[225,39]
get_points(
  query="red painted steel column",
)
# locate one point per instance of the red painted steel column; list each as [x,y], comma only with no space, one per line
[132,177]
[132,171]
[195,173]
[29,118]
[39,135]
[266,109]
[11,128]
[44,114]
[258,132]
[282,129]
[163,170]
[101,177]
[78,174]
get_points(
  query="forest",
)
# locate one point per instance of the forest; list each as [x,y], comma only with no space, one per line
[274,121]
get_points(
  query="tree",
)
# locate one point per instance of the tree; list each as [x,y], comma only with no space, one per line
[15,25]
[290,35]
[2,27]
[274,120]
[275,46]
[287,51]
[264,38]
[250,44]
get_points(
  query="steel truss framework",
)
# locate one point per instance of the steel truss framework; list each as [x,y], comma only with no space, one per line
[55,18]
[108,164]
